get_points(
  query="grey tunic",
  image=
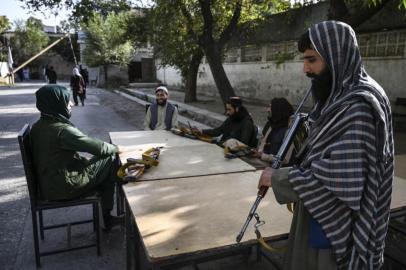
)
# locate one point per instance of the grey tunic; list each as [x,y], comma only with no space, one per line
[160,125]
[299,254]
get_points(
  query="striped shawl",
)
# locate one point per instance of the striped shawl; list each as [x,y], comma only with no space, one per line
[345,179]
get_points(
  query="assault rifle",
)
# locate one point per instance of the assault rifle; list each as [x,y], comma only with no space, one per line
[297,122]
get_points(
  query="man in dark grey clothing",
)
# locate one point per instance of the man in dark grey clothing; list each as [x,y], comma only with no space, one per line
[239,124]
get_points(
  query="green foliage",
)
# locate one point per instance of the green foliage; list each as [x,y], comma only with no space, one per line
[82,10]
[4,24]
[402,3]
[173,43]
[138,27]
[29,32]
[178,25]
[63,48]
[106,40]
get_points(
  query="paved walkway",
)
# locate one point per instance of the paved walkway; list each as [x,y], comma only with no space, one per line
[104,112]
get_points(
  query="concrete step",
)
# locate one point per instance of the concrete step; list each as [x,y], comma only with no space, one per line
[143,84]
[195,114]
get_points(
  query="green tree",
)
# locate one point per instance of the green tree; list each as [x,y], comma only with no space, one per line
[82,10]
[64,49]
[356,12]
[28,32]
[107,42]
[176,45]
[186,30]
[4,24]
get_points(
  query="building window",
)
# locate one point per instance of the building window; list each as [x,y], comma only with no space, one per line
[251,54]
[382,44]
[231,56]
[281,51]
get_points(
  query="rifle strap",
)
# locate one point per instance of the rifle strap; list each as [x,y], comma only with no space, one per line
[267,246]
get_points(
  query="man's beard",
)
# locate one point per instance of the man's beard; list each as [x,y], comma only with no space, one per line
[321,85]
[161,102]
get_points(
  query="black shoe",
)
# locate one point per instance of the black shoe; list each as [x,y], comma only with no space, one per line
[113,221]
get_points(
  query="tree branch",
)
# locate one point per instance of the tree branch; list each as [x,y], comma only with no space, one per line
[232,25]
[189,20]
[208,21]
[356,16]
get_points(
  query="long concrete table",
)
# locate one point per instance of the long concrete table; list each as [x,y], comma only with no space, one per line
[187,215]
[180,157]
[176,220]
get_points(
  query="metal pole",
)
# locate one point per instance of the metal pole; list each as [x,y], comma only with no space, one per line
[73,52]
[40,53]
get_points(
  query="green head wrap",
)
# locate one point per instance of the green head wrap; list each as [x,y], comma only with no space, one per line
[52,102]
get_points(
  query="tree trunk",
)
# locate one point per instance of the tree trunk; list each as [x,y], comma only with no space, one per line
[213,54]
[105,75]
[191,78]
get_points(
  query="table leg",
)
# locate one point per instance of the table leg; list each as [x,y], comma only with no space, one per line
[129,242]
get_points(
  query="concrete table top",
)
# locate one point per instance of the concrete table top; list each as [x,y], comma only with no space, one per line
[398,193]
[151,137]
[180,157]
[190,215]
[187,215]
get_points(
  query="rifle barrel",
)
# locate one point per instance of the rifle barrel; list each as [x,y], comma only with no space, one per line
[277,162]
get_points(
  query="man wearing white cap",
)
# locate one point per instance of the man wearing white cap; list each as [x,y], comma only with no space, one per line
[161,115]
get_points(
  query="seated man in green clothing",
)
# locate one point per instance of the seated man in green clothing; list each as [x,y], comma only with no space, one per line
[239,125]
[63,174]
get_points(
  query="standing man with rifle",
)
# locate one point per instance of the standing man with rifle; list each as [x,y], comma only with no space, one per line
[342,183]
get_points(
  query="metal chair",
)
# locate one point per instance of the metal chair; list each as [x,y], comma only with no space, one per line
[38,205]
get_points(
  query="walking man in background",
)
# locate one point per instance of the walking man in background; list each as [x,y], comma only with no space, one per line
[52,77]
[78,87]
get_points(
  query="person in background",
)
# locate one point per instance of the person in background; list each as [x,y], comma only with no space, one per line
[238,125]
[45,72]
[161,115]
[52,77]
[78,87]
[279,113]
[85,75]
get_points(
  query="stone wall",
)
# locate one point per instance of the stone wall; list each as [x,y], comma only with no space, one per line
[263,72]
[117,75]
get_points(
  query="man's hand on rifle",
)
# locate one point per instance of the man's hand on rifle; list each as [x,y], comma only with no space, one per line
[265,179]
[256,153]
[196,131]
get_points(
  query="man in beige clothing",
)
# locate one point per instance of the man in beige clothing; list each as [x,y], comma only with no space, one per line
[161,115]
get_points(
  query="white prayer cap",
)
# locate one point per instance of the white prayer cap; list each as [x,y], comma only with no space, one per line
[162,88]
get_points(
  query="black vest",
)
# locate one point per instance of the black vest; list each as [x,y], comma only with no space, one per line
[170,109]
